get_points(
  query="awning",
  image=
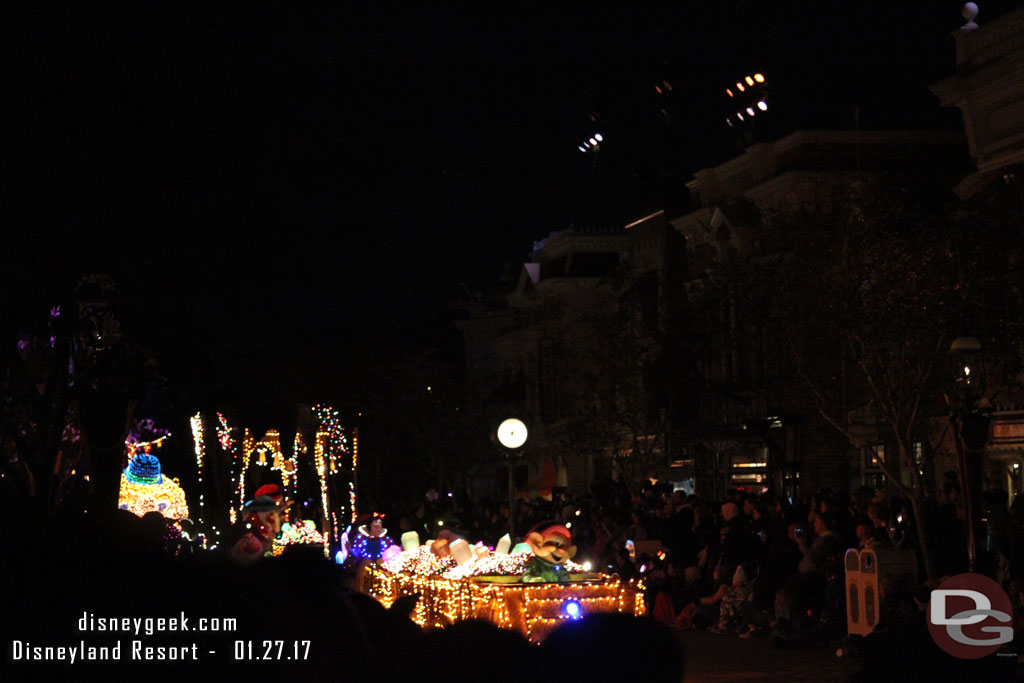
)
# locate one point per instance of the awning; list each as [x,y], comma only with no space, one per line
[542,485]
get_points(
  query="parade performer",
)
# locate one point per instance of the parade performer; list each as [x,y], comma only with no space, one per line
[266,513]
[372,540]
[551,546]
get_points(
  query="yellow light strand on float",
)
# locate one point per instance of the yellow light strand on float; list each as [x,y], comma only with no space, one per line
[196,422]
[321,472]
[167,498]
[298,447]
[352,478]
[444,601]
[248,444]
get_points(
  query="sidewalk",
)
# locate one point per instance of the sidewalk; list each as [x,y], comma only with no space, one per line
[711,658]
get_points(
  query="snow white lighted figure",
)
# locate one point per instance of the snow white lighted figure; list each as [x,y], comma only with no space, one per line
[372,542]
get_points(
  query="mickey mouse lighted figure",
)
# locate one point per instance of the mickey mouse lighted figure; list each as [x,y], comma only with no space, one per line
[551,546]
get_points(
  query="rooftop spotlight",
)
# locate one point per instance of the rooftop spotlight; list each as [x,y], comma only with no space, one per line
[739,86]
[750,111]
[728,92]
[598,137]
[759,78]
[762,105]
[749,80]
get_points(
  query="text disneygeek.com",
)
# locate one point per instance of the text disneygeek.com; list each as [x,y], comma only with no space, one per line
[138,650]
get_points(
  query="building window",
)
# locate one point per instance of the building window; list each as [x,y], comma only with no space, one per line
[873,471]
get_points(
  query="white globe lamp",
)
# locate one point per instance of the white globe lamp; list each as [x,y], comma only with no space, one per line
[512,433]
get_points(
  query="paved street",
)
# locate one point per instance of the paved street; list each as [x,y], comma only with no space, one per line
[711,657]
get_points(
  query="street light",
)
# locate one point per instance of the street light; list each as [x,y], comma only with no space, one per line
[970,426]
[512,435]
[749,97]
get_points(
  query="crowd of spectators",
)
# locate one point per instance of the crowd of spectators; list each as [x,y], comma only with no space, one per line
[751,565]
[754,565]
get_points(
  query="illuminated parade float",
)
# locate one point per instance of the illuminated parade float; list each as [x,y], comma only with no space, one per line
[144,488]
[533,589]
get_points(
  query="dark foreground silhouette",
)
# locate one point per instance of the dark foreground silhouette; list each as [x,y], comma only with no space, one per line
[56,572]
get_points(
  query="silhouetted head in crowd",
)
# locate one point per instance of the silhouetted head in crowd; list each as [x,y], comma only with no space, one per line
[823,522]
[730,511]
[748,506]
[476,647]
[865,529]
[613,647]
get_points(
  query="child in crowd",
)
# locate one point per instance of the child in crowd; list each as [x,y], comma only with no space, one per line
[730,614]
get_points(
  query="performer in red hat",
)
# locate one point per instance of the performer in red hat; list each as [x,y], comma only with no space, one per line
[266,512]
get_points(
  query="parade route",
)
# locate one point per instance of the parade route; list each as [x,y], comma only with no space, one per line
[712,657]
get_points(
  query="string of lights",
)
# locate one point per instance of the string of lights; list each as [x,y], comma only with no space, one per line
[532,609]
[331,445]
[248,445]
[135,447]
[298,448]
[352,479]
[196,422]
[329,422]
[321,471]
[227,444]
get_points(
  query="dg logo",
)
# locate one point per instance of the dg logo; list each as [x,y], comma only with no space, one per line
[969,616]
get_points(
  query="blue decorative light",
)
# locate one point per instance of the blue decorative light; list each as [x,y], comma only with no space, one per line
[370,547]
[144,469]
[572,609]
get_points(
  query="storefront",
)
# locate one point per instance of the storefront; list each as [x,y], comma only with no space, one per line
[1005,461]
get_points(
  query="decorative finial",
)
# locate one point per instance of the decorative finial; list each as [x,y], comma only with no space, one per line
[969,12]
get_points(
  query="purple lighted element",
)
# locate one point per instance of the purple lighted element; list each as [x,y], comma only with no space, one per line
[55,311]
[53,340]
[23,344]
[392,551]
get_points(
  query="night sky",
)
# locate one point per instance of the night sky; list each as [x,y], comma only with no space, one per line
[281,188]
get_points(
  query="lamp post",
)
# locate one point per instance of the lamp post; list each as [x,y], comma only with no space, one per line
[512,435]
[970,427]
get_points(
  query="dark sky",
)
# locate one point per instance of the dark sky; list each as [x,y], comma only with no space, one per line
[278,186]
